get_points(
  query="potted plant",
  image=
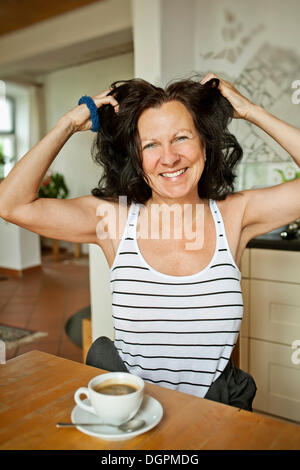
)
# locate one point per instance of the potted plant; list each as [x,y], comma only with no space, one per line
[4,160]
[54,186]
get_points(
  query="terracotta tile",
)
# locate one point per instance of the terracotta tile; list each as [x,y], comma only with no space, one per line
[50,325]
[18,321]
[7,288]
[26,299]
[47,346]
[16,311]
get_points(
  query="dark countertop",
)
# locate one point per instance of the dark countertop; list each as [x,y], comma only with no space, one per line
[273,241]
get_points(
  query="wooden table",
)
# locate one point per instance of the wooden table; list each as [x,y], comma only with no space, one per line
[36,391]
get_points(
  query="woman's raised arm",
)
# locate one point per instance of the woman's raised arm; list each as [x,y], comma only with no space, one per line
[70,219]
[269,208]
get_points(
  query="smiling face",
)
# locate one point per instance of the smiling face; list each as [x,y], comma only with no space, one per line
[173,156]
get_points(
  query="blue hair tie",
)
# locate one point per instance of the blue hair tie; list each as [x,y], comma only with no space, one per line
[93,111]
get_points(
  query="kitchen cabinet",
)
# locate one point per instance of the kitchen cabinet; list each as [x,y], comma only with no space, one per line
[270,332]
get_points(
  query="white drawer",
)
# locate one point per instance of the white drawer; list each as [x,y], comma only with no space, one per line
[274,311]
[277,379]
[275,265]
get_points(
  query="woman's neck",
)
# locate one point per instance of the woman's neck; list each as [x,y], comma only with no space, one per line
[192,200]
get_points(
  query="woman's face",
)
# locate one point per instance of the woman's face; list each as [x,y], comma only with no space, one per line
[172,153]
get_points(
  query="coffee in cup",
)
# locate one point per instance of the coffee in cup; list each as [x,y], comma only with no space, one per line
[115,396]
[112,387]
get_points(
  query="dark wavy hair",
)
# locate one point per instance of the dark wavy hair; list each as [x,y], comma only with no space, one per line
[117,146]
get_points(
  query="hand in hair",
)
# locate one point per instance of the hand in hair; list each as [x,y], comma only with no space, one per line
[240,103]
[79,117]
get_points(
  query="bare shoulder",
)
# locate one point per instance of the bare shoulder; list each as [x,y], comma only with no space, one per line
[92,202]
[111,220]
[101,208]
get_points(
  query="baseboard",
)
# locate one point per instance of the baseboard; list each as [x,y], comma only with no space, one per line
[18,273]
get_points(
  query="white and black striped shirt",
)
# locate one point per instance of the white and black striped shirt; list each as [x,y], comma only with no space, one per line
[175,331]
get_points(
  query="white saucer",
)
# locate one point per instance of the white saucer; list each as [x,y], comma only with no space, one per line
[151,411]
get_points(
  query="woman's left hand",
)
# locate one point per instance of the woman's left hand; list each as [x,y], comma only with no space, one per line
[240,104]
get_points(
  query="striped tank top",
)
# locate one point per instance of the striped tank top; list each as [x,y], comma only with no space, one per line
[175,331]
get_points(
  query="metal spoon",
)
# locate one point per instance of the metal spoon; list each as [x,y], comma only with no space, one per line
[129,426]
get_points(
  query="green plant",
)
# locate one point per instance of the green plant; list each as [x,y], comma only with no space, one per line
[54,186]
[2,156]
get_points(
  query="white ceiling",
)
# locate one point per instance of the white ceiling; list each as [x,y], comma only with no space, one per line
[28,54]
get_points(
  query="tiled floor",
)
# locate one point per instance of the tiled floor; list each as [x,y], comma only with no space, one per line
[44,300]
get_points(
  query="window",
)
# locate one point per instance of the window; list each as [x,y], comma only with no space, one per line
[7,135]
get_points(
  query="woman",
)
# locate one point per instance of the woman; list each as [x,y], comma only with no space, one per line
[177,306]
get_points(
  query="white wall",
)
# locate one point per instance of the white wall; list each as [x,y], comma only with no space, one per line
[255,45]
[101,299]
[20,248]
[147,36]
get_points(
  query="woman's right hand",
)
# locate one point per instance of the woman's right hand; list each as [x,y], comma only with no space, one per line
[79,117]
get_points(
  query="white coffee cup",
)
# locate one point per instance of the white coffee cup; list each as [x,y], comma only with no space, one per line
[112,409]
